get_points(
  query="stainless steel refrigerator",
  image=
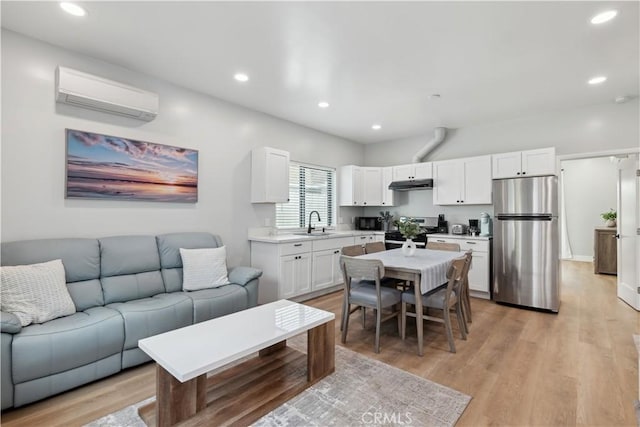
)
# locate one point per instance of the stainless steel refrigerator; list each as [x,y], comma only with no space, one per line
[526,268]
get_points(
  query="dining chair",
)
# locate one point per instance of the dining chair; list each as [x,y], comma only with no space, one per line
[354,250]
[443,299]
[374,247]
[439,246]
[466,301]
[365,294]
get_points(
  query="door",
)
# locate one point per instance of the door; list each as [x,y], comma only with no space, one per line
[372,186]
[479,272]
[628,228]
[423,170]
[507,165]
[446,183]
[287,283]
[477,183]
[387,178]
[539,162]
[525,261]
[323,268]
[303,274]
[358,186]
[402,172]
[277,185]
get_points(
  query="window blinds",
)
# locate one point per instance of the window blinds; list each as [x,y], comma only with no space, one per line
[310,189]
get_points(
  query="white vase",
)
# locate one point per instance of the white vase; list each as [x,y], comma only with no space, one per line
[611,223]
[408,248]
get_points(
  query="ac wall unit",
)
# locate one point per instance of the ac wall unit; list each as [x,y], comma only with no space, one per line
[88,91]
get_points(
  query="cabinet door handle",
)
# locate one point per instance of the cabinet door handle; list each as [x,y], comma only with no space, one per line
[517,173]
[523,173]
[471,243]
[297,244]
[438,240]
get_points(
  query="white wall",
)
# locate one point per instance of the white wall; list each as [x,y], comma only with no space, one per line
[33,154]
[590,189]
[584,130]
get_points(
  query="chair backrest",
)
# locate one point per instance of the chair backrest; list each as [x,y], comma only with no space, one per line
[439,246]
[456,274]
[354,250]
[361,269]
[374,247]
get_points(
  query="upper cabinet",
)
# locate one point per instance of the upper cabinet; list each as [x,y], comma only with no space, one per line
[364,186]
[388,198]
[412,171]
[269,175]
[462,181]
[525,163]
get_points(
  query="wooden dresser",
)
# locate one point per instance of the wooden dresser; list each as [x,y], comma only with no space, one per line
[605,249]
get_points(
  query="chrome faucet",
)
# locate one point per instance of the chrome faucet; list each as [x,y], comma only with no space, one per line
[310,227]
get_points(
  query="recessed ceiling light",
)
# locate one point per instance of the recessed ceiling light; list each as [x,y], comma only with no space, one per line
[376,127]
[604,17]
[597,80]
[72,9]
[323,104]
[241,77]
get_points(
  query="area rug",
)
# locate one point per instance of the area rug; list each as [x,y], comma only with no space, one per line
[362,391]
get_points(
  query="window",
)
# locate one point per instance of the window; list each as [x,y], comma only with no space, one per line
[310,189]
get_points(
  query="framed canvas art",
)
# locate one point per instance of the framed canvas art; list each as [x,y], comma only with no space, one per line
[113,168]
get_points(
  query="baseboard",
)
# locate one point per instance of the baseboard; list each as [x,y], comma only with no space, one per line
[581,258]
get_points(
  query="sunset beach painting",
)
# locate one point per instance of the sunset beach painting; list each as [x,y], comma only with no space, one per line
[113,168]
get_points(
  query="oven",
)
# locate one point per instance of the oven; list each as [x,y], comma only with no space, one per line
[394,240]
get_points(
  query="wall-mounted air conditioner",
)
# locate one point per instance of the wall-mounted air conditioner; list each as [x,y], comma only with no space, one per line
[88,91]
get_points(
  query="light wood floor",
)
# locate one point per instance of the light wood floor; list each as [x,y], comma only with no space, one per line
[521,367]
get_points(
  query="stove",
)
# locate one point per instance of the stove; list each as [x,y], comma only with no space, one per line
[394,239]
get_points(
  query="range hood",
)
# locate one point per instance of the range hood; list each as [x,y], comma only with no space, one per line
[413,184]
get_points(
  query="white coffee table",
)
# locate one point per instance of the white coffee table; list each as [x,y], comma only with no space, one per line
[184,356]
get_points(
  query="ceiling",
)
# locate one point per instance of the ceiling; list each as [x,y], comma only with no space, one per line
[374,62]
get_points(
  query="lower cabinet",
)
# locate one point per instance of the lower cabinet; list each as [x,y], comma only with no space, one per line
[292,270]
[295,275]
[480,271]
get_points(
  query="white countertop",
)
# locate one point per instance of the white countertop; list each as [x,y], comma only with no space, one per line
[459,236]
[290,238]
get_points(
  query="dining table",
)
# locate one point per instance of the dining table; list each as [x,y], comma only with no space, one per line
[426,270]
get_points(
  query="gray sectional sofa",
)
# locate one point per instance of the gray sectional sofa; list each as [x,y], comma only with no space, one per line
[124,288]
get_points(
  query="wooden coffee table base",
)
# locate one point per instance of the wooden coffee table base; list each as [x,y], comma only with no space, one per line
[245,392]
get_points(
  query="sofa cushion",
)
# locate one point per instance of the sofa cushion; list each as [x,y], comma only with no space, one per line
[80,257]
[151,316]
[204,268]
[130,268]
[169,248]
[35,293]
[211,303]
[66,343]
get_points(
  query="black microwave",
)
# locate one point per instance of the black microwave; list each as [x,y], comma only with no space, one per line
[368,223]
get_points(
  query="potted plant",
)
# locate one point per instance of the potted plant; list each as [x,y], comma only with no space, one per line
[385,218]
[409,230]
[610,218]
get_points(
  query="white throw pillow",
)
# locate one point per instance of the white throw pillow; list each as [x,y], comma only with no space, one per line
[36,293]
[204,268]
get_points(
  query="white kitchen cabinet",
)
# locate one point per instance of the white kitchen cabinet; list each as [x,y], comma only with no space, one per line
[295,275]
[412,171]
[269,175]
[388,196]
[291,270]
[372,186]
[480,271]
[462,181]
[326,262]
[326,268]
[361,186]
[524,163]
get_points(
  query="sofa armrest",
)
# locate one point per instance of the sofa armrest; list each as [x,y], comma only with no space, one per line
[9,323]
[243,275]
